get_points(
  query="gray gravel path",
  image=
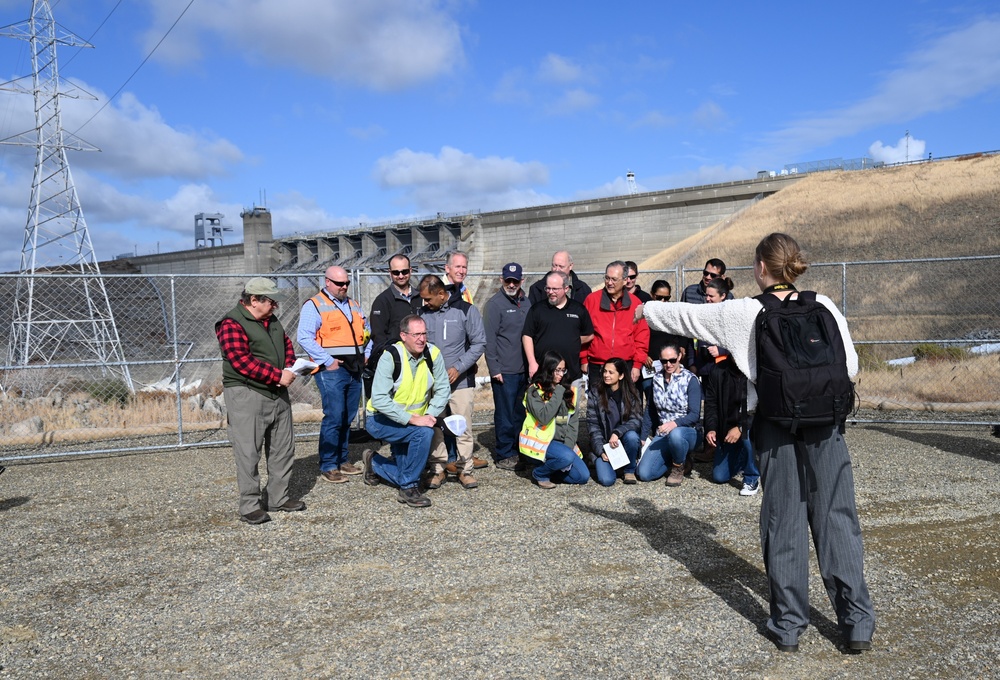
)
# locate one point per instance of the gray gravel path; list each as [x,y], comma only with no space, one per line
[136,566]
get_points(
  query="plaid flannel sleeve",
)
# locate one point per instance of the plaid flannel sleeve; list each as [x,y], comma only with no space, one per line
[236,350]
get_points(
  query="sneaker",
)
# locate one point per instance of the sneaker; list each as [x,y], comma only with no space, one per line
[370,478]
[507,463]
[413,498]
[676,476]
[545,484]
[629,478]
[750,489]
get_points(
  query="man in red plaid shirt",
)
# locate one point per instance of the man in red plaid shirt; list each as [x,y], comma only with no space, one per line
[255,380]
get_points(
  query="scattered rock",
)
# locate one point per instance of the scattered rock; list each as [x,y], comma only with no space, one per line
[32,425]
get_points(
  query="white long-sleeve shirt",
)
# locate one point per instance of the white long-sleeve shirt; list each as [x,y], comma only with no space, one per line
[732,324]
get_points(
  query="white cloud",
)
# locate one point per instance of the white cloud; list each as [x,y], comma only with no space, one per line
[454,180]
[382,44]
[134,140]
[572,101]
[941,75]
[906,149]
[710,116]
[558,69]
[373,131]
[616,187]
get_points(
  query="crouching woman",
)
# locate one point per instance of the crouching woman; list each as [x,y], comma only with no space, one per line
[551,425]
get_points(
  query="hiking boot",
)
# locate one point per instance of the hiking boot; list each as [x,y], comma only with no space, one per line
[371,479]
[479,463]
[413,498]
[676,475]
[467,481]
[436,480]
[629,478]
[545,484]
[255,517]
[333,476]
[349,469]
[750,489]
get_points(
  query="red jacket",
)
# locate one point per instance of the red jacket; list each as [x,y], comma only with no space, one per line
[615,332]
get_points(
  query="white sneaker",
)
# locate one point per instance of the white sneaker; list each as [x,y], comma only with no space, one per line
[750,489]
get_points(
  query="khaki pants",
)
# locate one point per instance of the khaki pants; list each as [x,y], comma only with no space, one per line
[461,405]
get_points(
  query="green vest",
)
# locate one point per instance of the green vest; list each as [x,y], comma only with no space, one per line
[266,345]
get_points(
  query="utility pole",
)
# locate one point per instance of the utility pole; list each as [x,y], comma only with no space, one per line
[57,318]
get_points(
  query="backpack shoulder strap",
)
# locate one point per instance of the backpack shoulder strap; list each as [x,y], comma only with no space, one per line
[397,362]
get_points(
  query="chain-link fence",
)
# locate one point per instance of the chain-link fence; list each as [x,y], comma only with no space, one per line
[927,333]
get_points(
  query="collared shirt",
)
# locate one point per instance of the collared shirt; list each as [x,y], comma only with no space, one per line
[236,349]
[382,400]
[310,321]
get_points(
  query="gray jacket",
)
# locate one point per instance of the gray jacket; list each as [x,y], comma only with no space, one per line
[504,323]
[457,330]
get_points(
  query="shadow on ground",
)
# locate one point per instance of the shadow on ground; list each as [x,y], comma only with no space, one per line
[690,542]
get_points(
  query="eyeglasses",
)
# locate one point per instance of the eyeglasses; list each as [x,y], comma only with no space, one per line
[415,335]
[273,303]
[342,284]
[611,279]
[632,276]
[399,272]
[558,370]
[711,275]
[555,290]
[661,298]
[671,361]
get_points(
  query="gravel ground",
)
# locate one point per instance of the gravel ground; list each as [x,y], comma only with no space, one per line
[136,566]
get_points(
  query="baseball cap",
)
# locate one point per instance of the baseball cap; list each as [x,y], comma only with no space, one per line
[512,270]
[264,287]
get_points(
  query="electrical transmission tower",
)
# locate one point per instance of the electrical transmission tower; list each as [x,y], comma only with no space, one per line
[57,318]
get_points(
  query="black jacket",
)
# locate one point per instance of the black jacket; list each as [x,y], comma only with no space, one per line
[578,290]
[602,423]
[726,399]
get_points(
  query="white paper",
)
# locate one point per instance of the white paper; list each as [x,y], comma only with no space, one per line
[650,372]
[303,366]
[617,457]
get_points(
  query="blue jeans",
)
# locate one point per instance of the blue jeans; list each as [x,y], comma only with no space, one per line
[664,450]
[508,413]
[731,458]
[410,446]
[606,475]
[341,393]
[557,457]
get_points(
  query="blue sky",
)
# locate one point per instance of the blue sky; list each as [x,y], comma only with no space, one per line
[348,112]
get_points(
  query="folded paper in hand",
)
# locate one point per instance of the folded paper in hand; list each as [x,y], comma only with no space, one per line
[616,456]
[303,366]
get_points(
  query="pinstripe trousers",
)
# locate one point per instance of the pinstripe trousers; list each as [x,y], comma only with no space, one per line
[808,484]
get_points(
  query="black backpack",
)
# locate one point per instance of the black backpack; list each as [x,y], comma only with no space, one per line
[802,375]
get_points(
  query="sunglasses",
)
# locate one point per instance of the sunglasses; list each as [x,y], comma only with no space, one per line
[633,277]
[711,275]
[342,284]
[661,298]
[671,361]
[512,281]
[399,272]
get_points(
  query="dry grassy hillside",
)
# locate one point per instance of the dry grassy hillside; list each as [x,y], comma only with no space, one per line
[941,209]
[931,210]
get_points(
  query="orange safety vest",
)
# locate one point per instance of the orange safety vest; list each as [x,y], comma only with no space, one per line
[338,337]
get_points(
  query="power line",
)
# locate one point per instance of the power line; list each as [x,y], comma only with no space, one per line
[91,37]
[143,63]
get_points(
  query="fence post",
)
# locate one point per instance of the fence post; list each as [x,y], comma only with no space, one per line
[177,362]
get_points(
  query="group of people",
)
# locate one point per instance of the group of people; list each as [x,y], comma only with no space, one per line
[417,353]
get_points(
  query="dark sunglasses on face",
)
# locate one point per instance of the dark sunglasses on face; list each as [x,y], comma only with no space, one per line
[632,276]
[711,275]
[399,272]
[511,281]
[342,284]
[670,361]
[661,298]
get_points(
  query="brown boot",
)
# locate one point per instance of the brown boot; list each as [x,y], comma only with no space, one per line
[676,475]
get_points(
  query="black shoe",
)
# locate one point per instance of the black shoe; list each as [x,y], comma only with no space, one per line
[371,479]
[773,637]
[413,498]
[255,517]
[859,645]
[289,506]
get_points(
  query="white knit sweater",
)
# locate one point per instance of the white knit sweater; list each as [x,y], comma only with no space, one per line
[732,324]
